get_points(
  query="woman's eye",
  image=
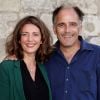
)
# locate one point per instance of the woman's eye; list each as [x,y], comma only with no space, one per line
[23,34]
[36,34]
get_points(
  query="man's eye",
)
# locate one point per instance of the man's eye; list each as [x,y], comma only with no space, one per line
[60,25]
[73,24]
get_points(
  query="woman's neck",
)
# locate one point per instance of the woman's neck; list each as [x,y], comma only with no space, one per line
[31,65]
[29,60]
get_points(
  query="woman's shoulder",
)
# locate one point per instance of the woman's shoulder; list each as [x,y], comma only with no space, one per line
[8,63]
[40,64]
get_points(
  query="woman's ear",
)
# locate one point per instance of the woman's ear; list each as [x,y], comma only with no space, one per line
[41,42]
[19,41]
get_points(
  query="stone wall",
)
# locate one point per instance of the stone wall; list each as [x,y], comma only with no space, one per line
[11,11]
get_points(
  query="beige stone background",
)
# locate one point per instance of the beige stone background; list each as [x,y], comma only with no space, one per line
[11,11]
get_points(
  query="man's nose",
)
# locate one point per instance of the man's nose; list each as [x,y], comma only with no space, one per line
[67,28]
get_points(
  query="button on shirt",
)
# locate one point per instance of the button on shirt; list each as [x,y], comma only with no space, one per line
[79,80]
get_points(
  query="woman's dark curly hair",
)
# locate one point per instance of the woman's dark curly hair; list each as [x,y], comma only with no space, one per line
[13,46]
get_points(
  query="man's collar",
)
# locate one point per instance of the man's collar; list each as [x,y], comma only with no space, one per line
[84,45]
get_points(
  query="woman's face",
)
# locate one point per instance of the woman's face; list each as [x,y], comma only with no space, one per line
[30,39]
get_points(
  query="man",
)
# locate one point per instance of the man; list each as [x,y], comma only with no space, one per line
[74,67]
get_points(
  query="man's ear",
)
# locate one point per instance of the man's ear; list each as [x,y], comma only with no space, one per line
[80,28]
[54,29]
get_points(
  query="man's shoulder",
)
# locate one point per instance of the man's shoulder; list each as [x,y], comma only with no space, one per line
[95,47]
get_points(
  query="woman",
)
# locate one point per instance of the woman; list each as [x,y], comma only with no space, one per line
[26,78]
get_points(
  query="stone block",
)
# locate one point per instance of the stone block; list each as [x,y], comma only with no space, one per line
[85,5]
[37,4]
[7,23]
[95,40]
[10,5]
[2,49]
[47,18]
[27,13]
[98,6]
[91,25]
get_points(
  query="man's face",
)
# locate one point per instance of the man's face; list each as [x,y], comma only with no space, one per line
[67,27]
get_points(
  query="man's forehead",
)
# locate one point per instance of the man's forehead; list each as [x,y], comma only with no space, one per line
[67,11]
[67,14]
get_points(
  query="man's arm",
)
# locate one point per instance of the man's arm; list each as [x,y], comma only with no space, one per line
[98,78]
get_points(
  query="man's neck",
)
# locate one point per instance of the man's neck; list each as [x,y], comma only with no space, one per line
[69,52]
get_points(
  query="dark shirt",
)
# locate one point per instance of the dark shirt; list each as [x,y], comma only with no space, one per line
[34,90]
[79,80]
